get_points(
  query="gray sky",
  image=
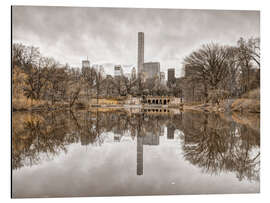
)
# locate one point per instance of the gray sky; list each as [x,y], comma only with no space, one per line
[108,36]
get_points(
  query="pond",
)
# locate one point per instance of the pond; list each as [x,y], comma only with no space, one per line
[109,152]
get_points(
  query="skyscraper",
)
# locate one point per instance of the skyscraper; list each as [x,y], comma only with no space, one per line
[102,71]
[140,52]
[151,69]
[171,76]
[86,64]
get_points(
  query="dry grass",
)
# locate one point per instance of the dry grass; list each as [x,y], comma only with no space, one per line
[249,102]
[22,103]
[246,105]
[253,94]
[251,120]
[104,109]
[104,101]
[193,103]
[20,119]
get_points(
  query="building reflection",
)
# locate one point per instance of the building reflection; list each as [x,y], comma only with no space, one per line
[85,140]
[149,137]
[170,131]
[161,131]
[139,155]
[208,141]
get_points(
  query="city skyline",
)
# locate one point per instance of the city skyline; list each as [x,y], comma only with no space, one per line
[108,36]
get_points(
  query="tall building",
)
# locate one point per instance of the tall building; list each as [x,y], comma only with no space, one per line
[118,71]
[96,67]
[151,69]
[162,78]
[85,64]
[140,52]
[133,73]
[171,76]
[102,71]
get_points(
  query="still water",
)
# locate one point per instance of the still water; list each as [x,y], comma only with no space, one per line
[126,152]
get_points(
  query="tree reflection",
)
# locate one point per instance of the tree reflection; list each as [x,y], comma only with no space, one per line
[218,145]
[210,142]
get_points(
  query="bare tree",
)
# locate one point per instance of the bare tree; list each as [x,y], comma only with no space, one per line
[98,83]
[250,49]
[35,81]
[248,59]
[209,65]
[89,75]
[25,57]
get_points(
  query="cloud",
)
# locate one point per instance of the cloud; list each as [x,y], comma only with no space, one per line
[109,35]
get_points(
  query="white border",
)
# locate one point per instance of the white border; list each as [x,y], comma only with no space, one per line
[199,4]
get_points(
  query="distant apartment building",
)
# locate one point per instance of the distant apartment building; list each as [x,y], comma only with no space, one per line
[85,64]
[162,78]
[133,73]
[171,76]
[151,69]
[118,70]
[189,70]
[101,70]
[95,66]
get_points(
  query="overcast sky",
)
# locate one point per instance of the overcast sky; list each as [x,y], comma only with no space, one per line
[109,35]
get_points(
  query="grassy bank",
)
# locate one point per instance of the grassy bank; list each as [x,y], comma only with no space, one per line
[246,105]
[24,104]
[250,119]
[249,102]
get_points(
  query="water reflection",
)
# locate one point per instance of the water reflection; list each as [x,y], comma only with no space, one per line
[208,141]
[218,145]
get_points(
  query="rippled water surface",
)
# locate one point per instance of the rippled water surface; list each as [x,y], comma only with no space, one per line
[134,152]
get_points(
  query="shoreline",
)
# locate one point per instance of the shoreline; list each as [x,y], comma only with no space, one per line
[240,105]
[245,118]
[202,108]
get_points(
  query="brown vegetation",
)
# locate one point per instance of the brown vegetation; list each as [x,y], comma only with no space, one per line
[249,102]
[249,119]
[213,74]
[246,105]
